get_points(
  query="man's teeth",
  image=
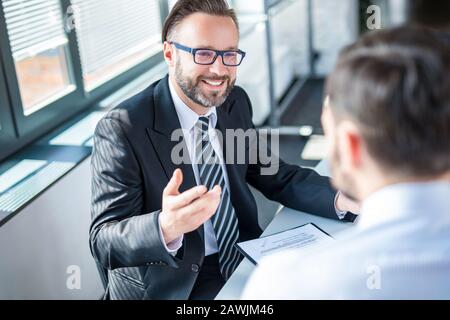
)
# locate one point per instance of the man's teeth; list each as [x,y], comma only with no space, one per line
[213,83]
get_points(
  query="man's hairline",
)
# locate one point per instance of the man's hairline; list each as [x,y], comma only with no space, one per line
[171,34]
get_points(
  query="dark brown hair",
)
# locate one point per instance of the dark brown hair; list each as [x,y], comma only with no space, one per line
[434,14]
[184,8]
[395,84]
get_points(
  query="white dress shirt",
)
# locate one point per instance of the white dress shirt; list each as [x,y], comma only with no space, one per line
[399,249]
[188,118]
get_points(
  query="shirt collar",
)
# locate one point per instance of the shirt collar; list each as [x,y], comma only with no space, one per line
[428,200]
[188,118]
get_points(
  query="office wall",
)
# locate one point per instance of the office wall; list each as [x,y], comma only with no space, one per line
[335,25]
[40,244]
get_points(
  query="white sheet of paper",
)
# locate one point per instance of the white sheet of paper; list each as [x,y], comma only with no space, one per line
[303,236]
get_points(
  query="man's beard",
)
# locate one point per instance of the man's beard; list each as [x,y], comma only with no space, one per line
[343,181]
[191,88]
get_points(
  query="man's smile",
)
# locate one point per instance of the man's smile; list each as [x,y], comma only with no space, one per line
[214,84]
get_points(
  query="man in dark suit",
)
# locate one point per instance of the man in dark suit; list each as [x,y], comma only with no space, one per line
[165,229]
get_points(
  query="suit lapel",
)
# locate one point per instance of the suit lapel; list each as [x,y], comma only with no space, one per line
[165,123]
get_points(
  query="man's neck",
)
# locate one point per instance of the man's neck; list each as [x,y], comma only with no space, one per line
[198,109]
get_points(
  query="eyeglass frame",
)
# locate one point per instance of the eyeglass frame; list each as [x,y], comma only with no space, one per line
[221,53]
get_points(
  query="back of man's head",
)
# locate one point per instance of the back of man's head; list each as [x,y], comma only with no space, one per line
[395,85]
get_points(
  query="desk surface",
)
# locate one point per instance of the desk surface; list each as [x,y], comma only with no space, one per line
[285,219]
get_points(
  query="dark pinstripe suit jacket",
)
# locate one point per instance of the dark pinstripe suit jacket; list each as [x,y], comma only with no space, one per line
[131,165]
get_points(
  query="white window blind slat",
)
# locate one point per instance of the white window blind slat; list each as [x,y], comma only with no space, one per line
[13,5]
[20,12]
[41,46]
[37,36]
[33,25]
[20,27]
[110,31]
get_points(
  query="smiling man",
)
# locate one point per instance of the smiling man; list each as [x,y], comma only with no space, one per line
[164,230]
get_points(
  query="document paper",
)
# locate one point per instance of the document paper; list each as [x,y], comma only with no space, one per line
[304,236]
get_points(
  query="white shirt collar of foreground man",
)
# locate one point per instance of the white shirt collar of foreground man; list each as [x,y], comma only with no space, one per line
[399,249]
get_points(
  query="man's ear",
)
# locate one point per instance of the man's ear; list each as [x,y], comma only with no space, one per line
[350,144]
[168,53]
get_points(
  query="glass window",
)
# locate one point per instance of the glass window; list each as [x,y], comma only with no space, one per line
[39,48]
[114,36]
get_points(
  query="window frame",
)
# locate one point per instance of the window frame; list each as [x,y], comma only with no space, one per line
[26,129]
[36,123]
[8,135]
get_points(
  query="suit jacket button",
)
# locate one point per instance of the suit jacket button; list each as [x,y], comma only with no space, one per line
[195,268]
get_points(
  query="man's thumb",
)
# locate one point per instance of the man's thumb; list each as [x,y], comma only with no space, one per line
[174,183]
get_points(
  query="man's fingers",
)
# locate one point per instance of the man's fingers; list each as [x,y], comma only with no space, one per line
[174,184]
[187,197]
[208,200]
[217,189]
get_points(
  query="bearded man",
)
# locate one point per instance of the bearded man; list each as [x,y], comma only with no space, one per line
[164,228]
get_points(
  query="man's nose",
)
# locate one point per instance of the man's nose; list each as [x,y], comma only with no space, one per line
[218,67]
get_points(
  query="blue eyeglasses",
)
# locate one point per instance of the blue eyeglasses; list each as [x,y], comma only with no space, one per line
[230,58]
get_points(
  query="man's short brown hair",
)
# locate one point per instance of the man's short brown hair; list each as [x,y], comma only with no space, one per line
[395,85]
[184,8]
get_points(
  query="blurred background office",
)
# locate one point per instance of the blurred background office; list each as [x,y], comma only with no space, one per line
[64,63]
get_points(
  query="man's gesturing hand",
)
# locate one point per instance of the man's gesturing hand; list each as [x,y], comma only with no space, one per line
[184,212]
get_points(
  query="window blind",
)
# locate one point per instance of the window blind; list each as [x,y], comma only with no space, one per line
[33,26]
[110,31]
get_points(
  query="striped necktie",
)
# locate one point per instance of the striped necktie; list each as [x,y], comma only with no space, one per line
[224,221]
